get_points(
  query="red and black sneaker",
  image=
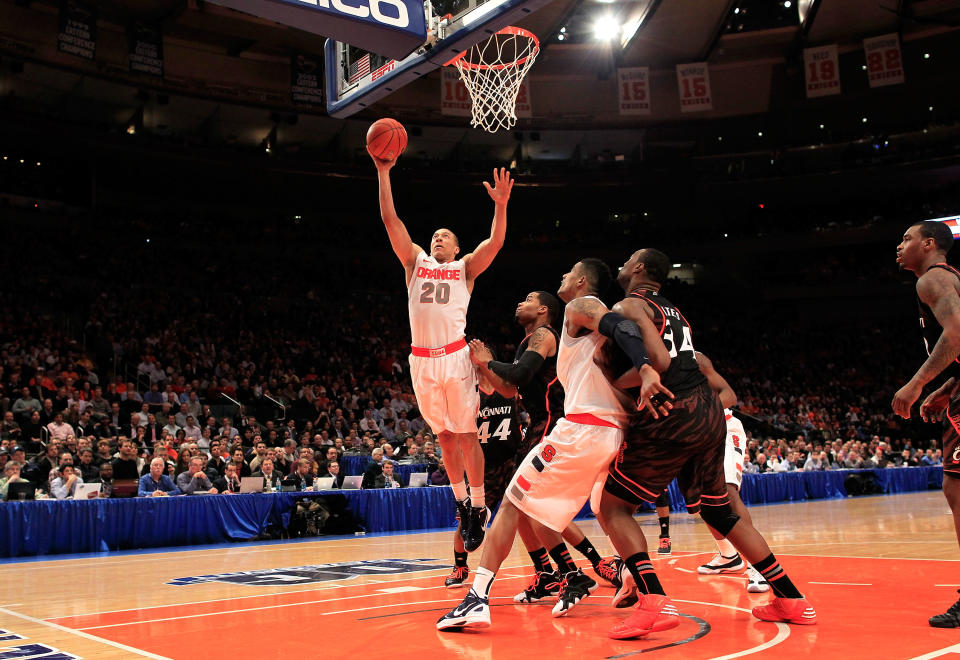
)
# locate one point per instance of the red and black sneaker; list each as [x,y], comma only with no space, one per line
[788,610]
[543,585]
[665,547]
[655,613]
[458,578]
[608,570]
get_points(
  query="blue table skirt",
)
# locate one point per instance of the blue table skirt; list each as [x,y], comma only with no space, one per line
[54,527]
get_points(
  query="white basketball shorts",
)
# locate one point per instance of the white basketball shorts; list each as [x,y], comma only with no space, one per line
[556,477]
[446,390]
[736,446]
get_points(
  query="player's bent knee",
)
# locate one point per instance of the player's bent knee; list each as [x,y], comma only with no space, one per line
[721,518]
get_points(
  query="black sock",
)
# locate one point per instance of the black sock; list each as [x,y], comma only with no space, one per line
[541,560]
[642,571]
[460,558]
[586,549]
[771,570]
[665,527]
[561,555]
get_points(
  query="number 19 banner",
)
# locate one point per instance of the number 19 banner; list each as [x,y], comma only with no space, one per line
[634,90]
[822,71]
[694,83]
[884,64]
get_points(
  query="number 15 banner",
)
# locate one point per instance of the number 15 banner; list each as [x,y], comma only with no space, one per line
[634,90]
[884,64]
[822,71]
[455,100]
[694,83]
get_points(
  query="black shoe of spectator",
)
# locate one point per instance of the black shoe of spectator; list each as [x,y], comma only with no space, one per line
[475,528]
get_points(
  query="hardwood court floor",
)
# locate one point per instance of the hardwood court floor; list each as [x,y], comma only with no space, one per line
[875,569]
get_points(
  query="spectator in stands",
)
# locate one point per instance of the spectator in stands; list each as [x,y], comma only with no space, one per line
[242,468]
[217,461]
[879,459]
[65,485]
[105,478]
[333,470]
[59,429]
[439,476]
[11,475]
[927,458]
[229,482]
[271,478]
[104,453]
[171,426]
[387,479]
[259,453]
[192,432]
[815,463]
[228,430]
[152,430]
[23,406]
[153,396]
[331,455]
[86,425]
[47,412]
[156,483]
[127,464]
[183,461]
[906,460]
[89,471]
[9,428]
[287,459]
[854,461]
[302,477]
[32,433]
[195,479]
[105,429]
[761,464]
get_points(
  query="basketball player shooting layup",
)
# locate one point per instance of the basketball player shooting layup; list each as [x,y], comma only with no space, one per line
[438,288]
[923,252]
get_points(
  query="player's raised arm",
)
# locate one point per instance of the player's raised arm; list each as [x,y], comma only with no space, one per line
[481,258]
[937,289]
[405,249]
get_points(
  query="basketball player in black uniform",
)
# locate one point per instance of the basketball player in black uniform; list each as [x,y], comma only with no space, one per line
[923,252]
[499,432]
[533,374]
[685,439]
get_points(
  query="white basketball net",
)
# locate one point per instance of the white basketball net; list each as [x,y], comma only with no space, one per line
[492,72]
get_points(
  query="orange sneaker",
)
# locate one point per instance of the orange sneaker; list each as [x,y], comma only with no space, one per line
[655,613]
[789,610]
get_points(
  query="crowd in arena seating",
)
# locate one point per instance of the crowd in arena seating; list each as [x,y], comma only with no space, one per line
[129,352]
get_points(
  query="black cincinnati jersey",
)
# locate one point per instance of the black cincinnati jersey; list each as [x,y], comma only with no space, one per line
[498,428]
[931,329]
[543,396]
[684,373]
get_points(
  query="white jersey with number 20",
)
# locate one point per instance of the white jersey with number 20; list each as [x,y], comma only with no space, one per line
[437,299]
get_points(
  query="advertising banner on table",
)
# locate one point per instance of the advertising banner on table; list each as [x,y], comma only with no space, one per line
[77,34]
[694,83]
[306,80]
[634,90]
[884,61]
[145,48]
[821,70]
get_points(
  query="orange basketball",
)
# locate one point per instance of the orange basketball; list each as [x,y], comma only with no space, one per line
[386,139]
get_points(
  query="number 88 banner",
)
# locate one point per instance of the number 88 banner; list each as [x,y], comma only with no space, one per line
[822,71]
[884,64]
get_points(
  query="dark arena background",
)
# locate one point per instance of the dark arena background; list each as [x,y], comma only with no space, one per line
[189,226]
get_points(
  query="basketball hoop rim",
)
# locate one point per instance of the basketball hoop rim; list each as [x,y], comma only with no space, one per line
[510,29]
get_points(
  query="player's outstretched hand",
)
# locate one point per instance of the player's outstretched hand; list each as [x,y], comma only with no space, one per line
[502,185]
[479,353]
[931,410]
[905,397]
[653,395]
[381,163]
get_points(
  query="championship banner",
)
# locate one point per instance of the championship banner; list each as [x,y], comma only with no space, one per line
[306,80]
[145,48]
[822,71]
[78,29]
[634,90]
[694,83]
[454,99]
[884,63]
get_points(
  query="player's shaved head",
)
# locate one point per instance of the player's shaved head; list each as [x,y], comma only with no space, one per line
[656,264]
[938,231]
[456,239]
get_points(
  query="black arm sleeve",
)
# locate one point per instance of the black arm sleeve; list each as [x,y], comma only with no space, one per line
[520,373]
[627,335]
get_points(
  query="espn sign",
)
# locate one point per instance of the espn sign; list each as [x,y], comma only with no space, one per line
[394,28]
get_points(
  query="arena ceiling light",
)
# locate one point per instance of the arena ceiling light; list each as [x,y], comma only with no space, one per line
[606,28]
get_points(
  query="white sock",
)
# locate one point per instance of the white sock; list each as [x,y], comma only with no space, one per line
[726,548]
[477,496]
[482,580]
[459,490]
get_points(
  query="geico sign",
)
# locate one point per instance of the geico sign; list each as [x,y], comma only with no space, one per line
[367,8]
